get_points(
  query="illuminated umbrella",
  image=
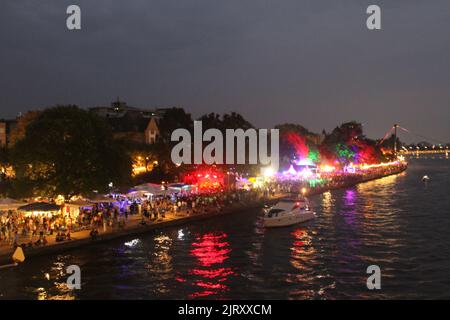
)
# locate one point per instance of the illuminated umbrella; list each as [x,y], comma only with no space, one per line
[150,188]
[178,187]
[137,193]
[39,207]
[80,203]
[102,199]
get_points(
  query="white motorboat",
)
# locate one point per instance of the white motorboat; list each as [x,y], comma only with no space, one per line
[288,212]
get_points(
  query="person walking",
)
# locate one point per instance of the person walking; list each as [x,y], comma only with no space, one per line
[16,239]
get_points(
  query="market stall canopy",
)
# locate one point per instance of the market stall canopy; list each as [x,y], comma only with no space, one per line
[302,163]
[152,188]
[146,186]
[137,193]
[80,203]
[39,206]
[102,199]
[178,187]
[9,204]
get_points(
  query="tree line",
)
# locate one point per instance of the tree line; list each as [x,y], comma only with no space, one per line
[69,151]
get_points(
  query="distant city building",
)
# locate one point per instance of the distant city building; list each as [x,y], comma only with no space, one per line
[12,131]
[133,124]
[128,123]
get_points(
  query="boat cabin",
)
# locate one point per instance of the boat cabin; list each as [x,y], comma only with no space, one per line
[287,206]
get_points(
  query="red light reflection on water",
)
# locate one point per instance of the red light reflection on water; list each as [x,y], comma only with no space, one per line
[209,285]
[299,235]
[302,250]
[213,274]
[211,250]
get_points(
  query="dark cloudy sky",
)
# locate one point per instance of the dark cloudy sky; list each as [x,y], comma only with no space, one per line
[312,62]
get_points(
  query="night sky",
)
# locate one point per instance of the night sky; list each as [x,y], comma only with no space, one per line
[310,62]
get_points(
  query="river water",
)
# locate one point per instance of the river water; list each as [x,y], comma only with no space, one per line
[398,223]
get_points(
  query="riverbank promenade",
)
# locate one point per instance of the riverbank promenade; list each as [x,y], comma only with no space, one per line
[137,224]
[134,225]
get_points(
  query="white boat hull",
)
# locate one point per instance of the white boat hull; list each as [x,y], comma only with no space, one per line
[288,220]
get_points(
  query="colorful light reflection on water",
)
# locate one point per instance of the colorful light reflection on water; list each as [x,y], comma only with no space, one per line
[210,275]
[397,223]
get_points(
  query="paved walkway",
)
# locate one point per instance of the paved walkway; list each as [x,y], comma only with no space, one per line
[133,222]
[133,226]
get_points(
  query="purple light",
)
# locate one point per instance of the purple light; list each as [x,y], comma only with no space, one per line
[306,173]
[291,171]
[349,197]
[349,169]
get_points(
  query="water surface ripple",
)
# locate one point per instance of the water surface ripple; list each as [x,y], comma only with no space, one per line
[396,222]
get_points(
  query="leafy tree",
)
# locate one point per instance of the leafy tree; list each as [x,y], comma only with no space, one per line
[347,144]
[4,164]
[68,151]
[211,121]
[4,159]
[297,142]
[346,133]
[3,155]
[172,119]
[231,120]
[234,120]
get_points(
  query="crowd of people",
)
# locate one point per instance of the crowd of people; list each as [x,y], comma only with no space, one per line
[18,228]
[196,203]
[33,230]
[332,180]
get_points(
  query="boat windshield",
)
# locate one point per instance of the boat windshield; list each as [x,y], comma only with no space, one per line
[274,212]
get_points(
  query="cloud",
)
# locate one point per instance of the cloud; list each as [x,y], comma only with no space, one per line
[309,62]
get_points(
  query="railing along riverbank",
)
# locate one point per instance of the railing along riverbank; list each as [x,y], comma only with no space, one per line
[135,226]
